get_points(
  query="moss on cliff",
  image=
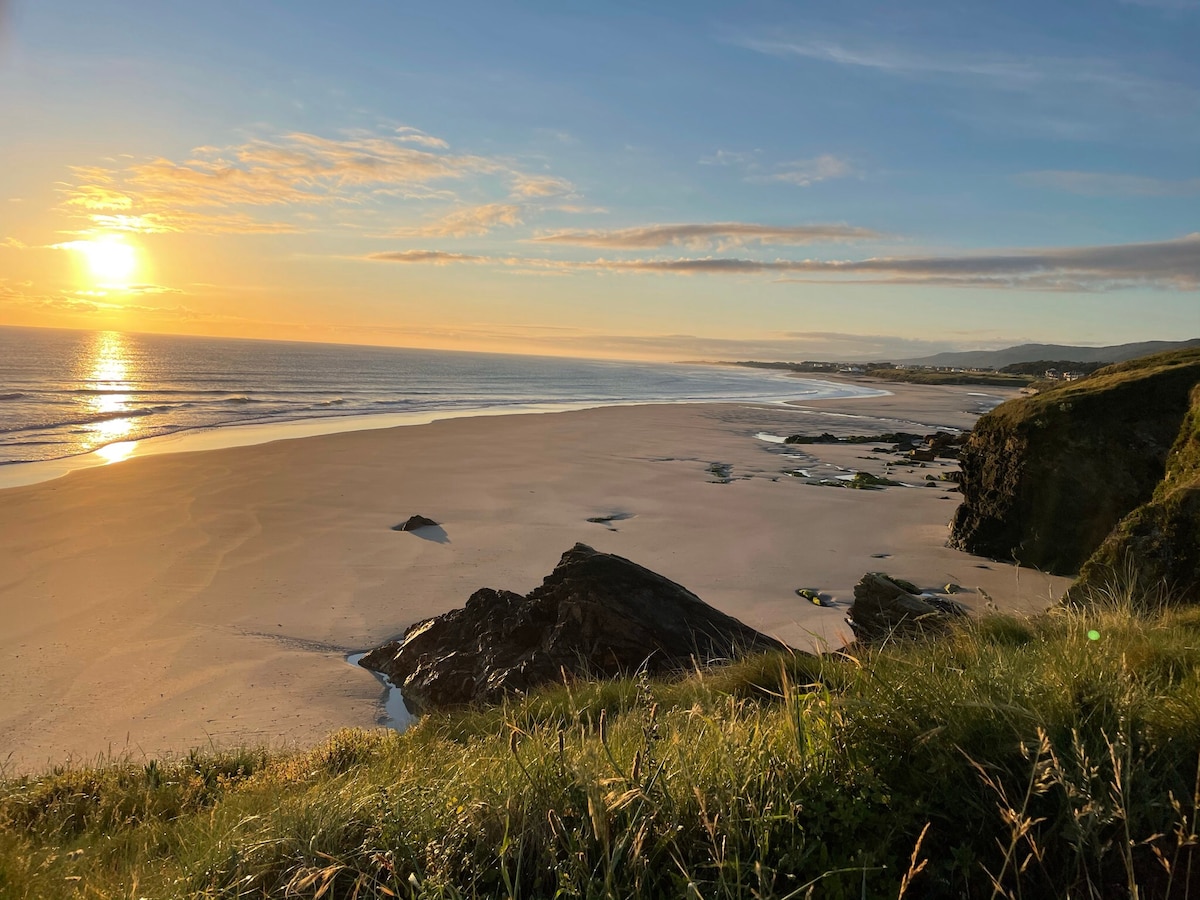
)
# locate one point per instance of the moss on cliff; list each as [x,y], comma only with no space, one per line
[1156,548]
[1046,478]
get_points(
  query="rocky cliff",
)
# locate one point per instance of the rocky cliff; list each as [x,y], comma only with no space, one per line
[1157,546]
[596,614]
[1046,478]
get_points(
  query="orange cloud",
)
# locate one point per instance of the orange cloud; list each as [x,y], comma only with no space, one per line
[296,171]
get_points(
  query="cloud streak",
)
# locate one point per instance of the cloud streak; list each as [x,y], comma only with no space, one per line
[426,257]
[700,235]
[1167,265]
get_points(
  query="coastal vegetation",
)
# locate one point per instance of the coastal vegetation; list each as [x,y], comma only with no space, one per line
[920,375]
[1003,758]
[907,374]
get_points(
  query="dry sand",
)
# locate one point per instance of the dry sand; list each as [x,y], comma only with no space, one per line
[191,599]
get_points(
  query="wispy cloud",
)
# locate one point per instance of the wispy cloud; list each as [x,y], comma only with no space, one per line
[468,221]
[700,235]
[412,135]
[805,172]
[297,169]
[1081,89]
[1106,184]
[800,172]
[427,257]
[540,186]
[730,158]
[227,189]
[897,60]
[101,302]
[1167,265]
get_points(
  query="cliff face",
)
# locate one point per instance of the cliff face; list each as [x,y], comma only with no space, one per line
[1158,544]
[1046,478]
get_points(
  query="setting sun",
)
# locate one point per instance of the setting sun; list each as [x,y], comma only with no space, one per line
[110,261]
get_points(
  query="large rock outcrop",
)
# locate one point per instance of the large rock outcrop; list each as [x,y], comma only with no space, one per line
[595,614]
[1155,550]
[1046,478]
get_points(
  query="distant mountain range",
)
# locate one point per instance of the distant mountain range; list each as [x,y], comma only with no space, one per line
[998,359]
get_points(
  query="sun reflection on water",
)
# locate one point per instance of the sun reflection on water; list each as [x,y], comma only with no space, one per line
[107,367]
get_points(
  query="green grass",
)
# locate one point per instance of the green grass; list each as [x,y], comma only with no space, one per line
[1009,758]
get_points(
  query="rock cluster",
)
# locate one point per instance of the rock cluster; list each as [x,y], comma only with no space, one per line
[927,447]
[596,614]
[1046,478]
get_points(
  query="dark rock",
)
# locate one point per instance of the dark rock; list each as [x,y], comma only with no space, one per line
[596,614]
[886,608]
[415,522]
[1155,550]
[825,438]
[1046,478]
[865,481]
[944,440]
[920,455]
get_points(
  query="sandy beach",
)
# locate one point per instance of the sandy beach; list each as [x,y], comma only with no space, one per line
[190,599]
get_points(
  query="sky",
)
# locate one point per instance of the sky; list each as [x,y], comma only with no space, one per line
[759,180]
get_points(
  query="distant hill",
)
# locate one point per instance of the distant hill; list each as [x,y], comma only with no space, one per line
[998,359]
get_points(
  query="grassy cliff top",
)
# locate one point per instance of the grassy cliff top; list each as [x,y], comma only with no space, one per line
[1180,365]
[1056,757]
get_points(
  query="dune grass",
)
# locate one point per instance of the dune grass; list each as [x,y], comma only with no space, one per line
[1048,758]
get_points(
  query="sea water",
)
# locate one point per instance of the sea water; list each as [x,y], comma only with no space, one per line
[68,393]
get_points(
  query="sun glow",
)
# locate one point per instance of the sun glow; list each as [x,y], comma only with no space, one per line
[110,261]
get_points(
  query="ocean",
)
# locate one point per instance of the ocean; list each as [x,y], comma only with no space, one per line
[64,394]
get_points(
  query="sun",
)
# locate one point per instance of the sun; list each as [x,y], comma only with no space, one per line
[110,261]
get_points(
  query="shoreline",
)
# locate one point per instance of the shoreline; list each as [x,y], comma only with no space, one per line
[186,599]
[252,433]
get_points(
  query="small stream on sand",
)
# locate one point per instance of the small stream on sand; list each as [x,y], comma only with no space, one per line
[395,713]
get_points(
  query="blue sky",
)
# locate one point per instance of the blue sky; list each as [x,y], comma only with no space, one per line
[767,179]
